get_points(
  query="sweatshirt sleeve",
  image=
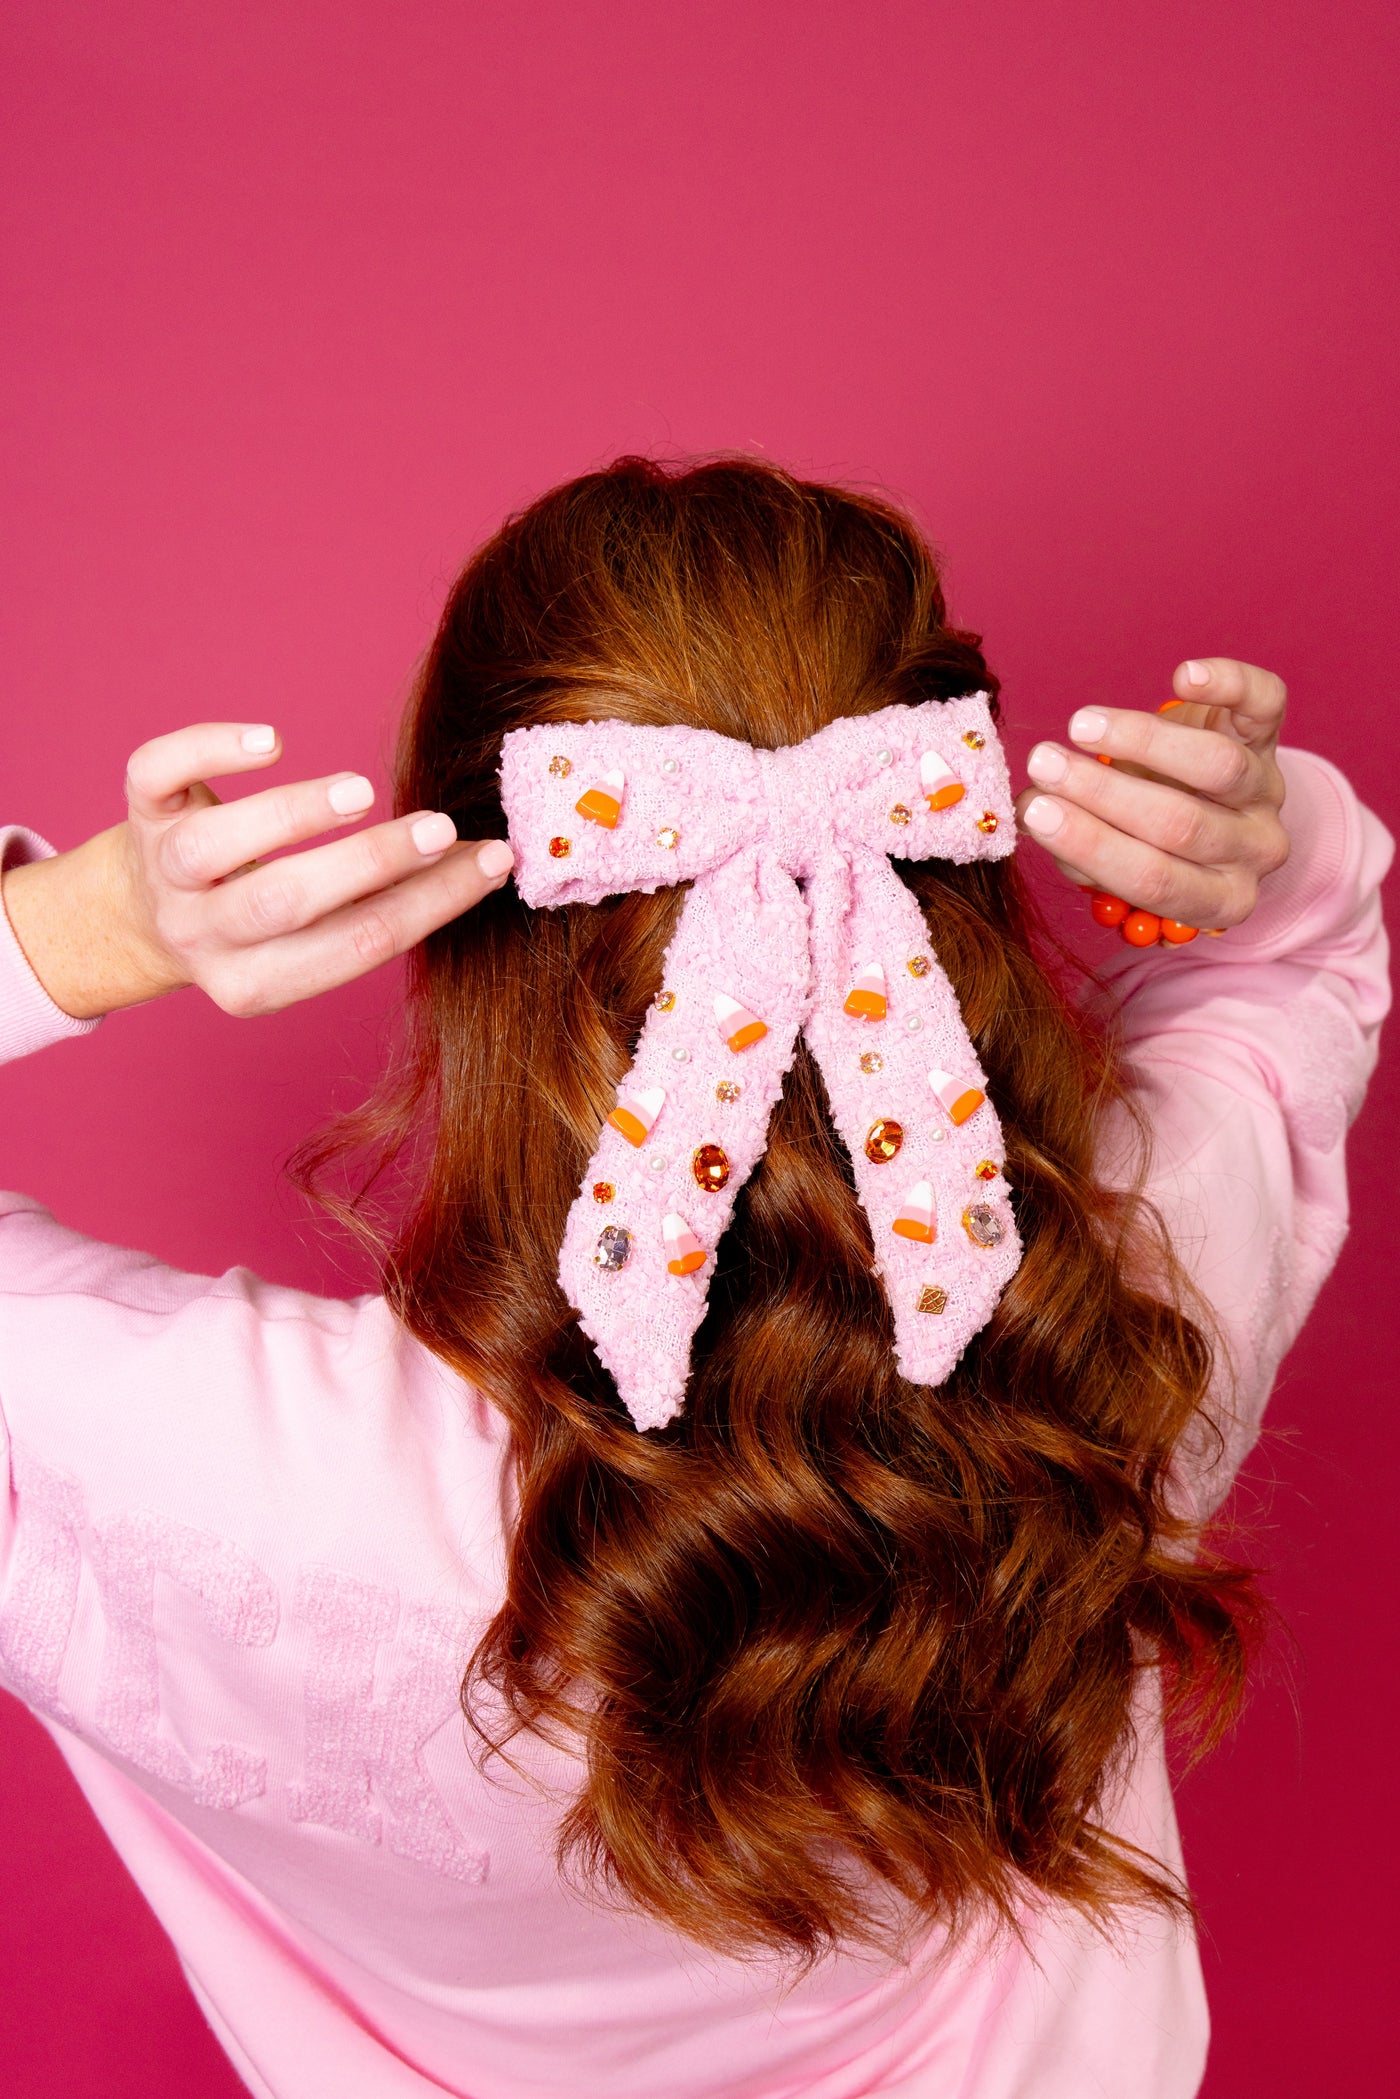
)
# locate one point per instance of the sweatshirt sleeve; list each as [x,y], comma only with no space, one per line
[1248,1057]
[206,1427]
[29,1019]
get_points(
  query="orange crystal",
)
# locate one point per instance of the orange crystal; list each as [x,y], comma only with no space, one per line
[710,1166]
[882,1140]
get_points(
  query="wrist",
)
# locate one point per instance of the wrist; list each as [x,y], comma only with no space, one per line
[77,920]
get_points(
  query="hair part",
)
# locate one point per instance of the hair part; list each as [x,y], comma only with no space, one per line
[844,1655]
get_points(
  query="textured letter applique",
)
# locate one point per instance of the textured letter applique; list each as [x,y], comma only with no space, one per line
[238,1602]
[357,1750]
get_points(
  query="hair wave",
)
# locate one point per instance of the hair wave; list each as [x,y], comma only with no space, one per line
[830,1638]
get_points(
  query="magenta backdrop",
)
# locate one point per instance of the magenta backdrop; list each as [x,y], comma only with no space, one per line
[302,297]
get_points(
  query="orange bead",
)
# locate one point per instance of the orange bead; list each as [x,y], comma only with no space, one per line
[1142,929]
[1170,703]
[1104,758]
[1176,934]
[1107,910]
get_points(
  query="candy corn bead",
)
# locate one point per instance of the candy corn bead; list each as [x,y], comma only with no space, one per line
[938,783]
[866,997]
[636,1112]
[738,1026]
[684,1253]
[1176,934]
[958,1096]
[914,1218]
[1142,929]
[1106,910]
[602,802]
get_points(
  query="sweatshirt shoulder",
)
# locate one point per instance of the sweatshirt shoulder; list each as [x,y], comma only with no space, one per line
[114,1363]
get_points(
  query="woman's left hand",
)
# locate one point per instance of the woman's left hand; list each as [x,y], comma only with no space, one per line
[1185,821]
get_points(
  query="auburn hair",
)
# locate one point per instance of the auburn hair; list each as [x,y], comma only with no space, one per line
[844,1655]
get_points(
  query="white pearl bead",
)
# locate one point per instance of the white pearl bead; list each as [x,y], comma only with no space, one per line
[670,765]
[884,757]
[913,1023]
[658,1164]
[682,1056]
[938,1134]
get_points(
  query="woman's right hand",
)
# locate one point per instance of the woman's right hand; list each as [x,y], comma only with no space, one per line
[181,893]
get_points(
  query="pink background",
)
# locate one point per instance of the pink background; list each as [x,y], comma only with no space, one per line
[302,297]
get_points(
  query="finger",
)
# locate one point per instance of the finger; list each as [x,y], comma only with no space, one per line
[1170,818]
[1256,699]
[364,935]
[160,774]
[1143,874]
[1201,759]
[290,894]
[209,843]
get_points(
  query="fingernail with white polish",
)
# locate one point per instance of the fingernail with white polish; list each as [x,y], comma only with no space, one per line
[1088,726]
[260,739]
[1197,674]
[1046,765]
[433,834]
[1043,817]
[495,859]
[348,797]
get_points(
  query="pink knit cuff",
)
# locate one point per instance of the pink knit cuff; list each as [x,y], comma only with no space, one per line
[1319,817]
[29,1019]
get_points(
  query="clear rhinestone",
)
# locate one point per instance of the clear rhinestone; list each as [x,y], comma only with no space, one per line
[561,767]
[982,1225]
[613,1248]
[899,814]
[871,1061]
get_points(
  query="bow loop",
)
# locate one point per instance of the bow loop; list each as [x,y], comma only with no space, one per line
[599,807]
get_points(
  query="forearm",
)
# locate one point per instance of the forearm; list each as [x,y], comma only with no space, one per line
[75,920]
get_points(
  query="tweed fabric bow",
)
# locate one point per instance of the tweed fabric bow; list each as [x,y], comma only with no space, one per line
[795,920]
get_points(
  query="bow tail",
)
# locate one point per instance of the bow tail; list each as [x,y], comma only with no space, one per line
[690,1124]
[908,1097]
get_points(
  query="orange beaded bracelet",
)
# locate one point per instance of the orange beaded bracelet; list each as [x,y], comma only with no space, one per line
[1138,928]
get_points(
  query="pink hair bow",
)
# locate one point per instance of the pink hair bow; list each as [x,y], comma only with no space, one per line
[600,807]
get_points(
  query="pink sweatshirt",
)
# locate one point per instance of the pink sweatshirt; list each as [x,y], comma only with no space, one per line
[252,1534]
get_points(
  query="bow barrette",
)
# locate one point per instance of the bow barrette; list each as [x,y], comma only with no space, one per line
[595,808]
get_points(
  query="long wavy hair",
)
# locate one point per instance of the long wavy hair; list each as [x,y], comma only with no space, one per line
[844,1656]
